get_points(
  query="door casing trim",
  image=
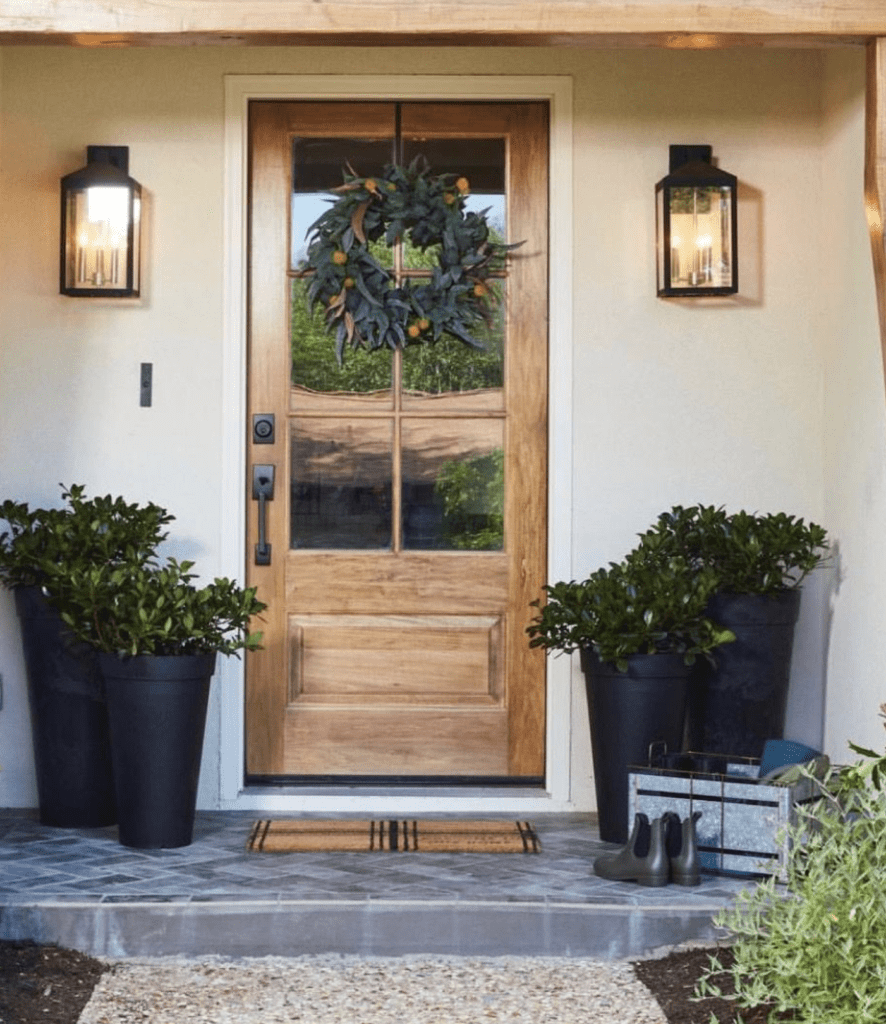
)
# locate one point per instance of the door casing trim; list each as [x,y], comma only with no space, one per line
[228,698]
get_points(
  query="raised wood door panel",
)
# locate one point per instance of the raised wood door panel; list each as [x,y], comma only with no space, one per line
[363,691]
[390,660]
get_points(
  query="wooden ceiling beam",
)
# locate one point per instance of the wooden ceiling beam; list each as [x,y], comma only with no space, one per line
[633,40]
[634,23]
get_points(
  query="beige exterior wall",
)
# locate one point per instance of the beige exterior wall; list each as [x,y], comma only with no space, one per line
[855,427]
[771,401]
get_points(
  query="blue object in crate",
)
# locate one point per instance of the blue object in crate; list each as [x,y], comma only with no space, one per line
[778,753]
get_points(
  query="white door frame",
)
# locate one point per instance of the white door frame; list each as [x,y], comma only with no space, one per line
[239,90]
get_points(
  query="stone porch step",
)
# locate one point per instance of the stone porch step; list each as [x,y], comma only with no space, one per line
[81,889]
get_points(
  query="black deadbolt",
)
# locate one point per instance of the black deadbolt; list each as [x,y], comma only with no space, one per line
[263,428]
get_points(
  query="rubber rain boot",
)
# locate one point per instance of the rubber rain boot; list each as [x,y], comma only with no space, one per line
[682,849]
[643,859]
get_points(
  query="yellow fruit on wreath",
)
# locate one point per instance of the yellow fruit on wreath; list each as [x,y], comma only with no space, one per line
[364,303]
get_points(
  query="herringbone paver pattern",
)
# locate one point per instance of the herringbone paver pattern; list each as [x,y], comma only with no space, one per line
[37,863]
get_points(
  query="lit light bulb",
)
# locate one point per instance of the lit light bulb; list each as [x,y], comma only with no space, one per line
[705,260]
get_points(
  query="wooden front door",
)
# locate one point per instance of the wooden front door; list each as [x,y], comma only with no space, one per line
[407,526]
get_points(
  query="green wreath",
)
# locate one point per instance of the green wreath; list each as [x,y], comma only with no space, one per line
[362,305]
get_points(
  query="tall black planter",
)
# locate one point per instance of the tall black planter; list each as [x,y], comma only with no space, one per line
[628,712]
[740,702]
[157,710]
[69,720]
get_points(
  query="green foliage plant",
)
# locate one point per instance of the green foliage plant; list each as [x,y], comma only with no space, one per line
[818,951]
[649,603]
[156,609]
[39,546]
[362,303]
[749,553]
[96,560]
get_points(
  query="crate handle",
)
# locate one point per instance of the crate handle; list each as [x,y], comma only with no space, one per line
[652,746]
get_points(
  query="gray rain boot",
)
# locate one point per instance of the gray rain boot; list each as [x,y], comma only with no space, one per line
[682,848]
[642,859]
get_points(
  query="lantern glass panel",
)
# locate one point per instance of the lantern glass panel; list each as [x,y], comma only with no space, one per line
[660,278]
[700,238]
[101,233]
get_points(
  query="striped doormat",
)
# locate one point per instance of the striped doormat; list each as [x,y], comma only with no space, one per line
[288,836]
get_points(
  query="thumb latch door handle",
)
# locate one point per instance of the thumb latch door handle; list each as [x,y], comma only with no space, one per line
[263,492]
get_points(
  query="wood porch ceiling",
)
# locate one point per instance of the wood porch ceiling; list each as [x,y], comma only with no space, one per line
[596,23]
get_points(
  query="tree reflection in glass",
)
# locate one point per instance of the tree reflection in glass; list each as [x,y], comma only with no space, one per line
[453,484]
[314,365]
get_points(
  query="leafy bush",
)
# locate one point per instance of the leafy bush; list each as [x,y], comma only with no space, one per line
[819,950]
[645,604]
[750,553]
[153,609]
[39,544]
[96,560]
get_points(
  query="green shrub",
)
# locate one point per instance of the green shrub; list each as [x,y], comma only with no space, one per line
[646,604]
[750,553]
[156,609]
[39,545]
[819,949]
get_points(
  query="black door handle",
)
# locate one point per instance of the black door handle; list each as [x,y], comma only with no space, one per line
[263,492]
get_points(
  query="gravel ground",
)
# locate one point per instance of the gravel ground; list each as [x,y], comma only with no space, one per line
[359,990]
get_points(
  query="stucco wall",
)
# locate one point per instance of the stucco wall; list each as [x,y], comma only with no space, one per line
[713,401]
[855,429]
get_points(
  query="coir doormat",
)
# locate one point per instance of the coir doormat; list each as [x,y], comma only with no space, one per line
[289,836]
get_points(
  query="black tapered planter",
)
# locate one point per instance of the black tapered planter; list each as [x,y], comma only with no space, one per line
[157,711]
[69,719]
[740,702]
[628,712]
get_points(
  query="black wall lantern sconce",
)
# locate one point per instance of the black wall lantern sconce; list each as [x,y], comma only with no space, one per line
[695,220]
[101,226]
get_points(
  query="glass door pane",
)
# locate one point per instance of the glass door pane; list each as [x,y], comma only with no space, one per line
[454,376]
[315,369]
[453,484]
[341,483]
[319,165]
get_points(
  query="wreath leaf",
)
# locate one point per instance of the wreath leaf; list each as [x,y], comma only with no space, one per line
[365,292]
[357,221]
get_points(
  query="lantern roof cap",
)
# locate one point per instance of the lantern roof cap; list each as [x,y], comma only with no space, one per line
[105,165]
[691,165]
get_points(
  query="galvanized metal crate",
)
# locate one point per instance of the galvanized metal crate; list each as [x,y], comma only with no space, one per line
[741,819]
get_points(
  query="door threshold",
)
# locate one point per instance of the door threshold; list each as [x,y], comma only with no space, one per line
[385,783]
[429,792]
[459,789]
[372,801]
